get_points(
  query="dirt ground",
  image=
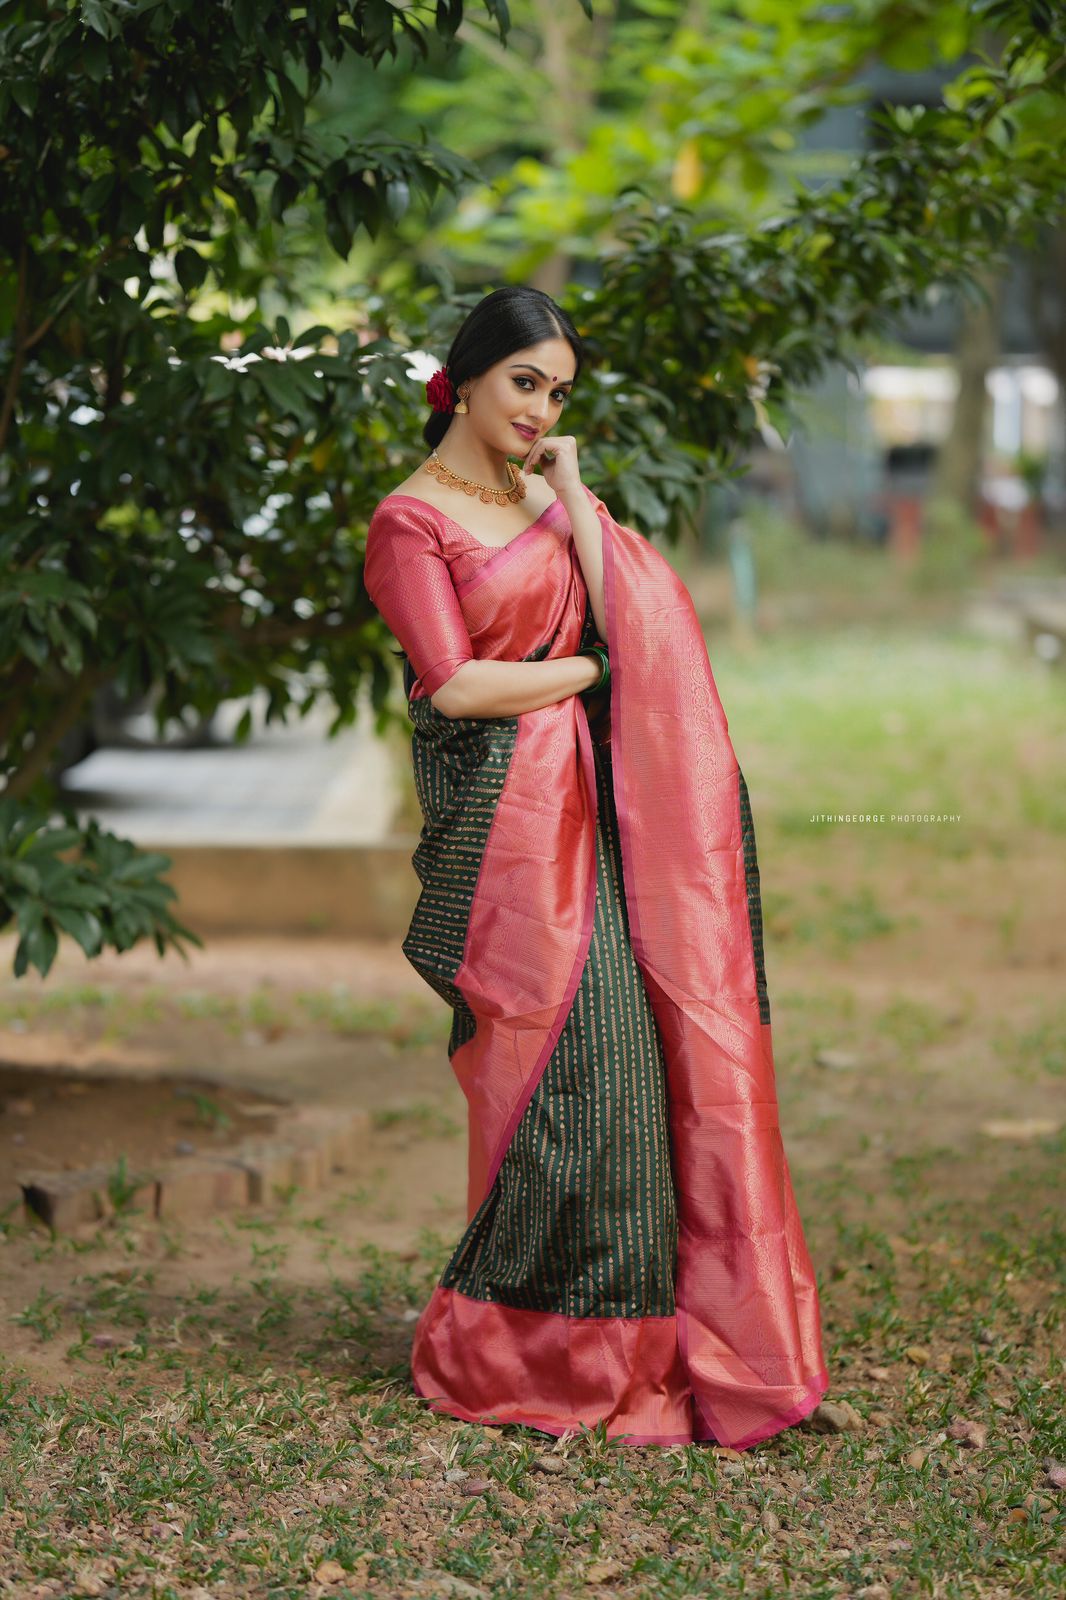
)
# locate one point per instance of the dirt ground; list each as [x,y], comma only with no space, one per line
[907,1076]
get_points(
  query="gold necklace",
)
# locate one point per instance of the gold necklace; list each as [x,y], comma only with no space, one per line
[452,480]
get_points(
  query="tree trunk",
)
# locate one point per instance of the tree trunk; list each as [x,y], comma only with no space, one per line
[572,53]
[958,469]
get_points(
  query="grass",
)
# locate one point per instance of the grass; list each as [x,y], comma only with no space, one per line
[895,720]
[178,1438]
[233,1441]
[410,1025]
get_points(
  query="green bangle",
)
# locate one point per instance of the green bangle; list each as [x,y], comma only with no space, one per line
[605,673]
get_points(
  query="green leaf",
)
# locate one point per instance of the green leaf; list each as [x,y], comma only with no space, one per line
[24,95]
[97,16]
[40,945]
[190,268]
[82,926]
[293,102]
[280,388]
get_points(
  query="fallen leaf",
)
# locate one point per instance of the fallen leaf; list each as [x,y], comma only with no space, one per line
[971,1435]
[837,1060]
[1021,1129]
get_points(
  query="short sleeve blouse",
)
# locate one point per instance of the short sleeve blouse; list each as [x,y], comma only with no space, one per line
[409,581]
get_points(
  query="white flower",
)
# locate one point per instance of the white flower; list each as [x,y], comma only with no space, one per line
[423,366]
[271,352]
[236,363]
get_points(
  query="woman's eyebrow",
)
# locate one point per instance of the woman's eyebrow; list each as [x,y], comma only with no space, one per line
[564,383]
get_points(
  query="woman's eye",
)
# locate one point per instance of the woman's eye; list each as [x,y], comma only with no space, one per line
[561,393]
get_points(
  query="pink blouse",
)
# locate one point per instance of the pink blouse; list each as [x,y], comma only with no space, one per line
[416,559]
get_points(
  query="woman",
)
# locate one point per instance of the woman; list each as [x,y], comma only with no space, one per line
[590,910]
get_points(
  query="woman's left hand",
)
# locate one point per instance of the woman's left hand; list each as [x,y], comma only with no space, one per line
[557,455]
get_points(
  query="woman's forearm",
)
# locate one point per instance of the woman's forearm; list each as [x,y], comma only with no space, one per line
[507,688]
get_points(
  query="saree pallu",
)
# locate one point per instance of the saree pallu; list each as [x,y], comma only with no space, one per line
[590,909]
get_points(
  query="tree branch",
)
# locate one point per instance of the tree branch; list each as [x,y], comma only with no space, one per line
[7,409]
[21,782]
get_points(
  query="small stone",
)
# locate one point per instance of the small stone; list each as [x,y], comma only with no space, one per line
[835,1416]
[456,1475]
[1056,1475]
[917,1354]
[771,1521]
[914,1458]
[476,1486]
[880,1419]
[602,1571]
[445,1583]
[20,1106]
[329,1572]
[89,1584]
[837,1060]
[544,1463]
[880,1374]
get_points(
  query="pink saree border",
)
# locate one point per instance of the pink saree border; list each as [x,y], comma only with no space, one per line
[787,1419]
[542,1425]
[491,567]
[559,1020]
[500,1319]
[618,677]
[485,1361]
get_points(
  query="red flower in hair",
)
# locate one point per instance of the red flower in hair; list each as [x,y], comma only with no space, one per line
[439,391]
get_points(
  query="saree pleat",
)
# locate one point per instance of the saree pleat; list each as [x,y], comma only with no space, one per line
[590,909]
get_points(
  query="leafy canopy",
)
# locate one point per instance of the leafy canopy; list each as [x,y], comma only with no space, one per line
[184,486]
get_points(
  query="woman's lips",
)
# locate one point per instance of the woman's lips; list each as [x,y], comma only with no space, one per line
[527,433]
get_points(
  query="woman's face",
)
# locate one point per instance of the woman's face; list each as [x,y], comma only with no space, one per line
[526,390]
